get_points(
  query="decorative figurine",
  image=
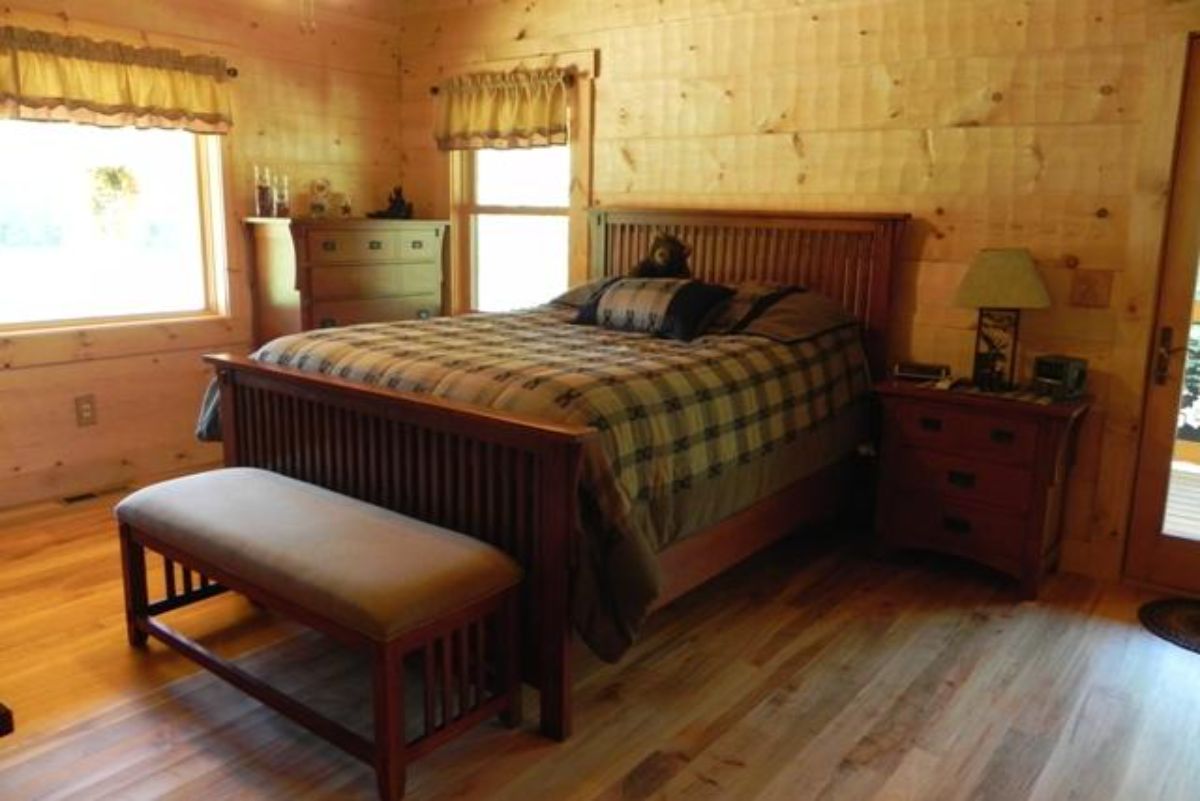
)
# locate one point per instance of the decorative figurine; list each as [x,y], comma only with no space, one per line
[318,199]
[398,208]
[668,258]
[339,204]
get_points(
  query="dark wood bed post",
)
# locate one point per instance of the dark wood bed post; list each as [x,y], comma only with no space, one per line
[556,549]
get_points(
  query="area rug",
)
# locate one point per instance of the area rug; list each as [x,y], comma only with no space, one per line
[1176,620]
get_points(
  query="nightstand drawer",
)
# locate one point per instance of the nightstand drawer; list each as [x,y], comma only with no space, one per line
[961,477]
[980,436]
[934,521]
[336,247]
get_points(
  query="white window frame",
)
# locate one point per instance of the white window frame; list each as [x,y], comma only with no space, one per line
[473,211]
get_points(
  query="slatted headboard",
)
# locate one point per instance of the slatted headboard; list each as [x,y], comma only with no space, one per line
[848,257]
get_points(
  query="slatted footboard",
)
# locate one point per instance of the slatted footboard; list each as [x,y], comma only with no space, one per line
[507,480]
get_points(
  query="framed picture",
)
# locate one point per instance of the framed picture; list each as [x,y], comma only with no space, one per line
[995,349]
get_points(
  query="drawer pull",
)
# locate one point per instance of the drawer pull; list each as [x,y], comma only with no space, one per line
[930,424]
[961,479]
[374,244]
[956,525]
[1002,436]
[417,244]
[423,314]
[327,322]
[329,246]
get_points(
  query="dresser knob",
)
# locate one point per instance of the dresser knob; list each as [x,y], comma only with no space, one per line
[961,479]
[418,245]
[328,245]
[1002,436]
[930,424]
[956,525]
[375,244]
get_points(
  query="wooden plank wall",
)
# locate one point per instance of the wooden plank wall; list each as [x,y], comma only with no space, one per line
[314,104]
[1042,123]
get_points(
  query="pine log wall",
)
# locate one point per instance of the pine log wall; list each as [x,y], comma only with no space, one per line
[320,104]
[1038,123]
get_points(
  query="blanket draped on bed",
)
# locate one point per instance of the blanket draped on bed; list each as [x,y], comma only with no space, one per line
[670,415]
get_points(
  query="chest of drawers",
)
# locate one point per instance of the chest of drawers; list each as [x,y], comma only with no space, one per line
[976,476]
[334,272]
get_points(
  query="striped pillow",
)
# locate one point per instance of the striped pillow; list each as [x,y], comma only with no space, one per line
[676,308]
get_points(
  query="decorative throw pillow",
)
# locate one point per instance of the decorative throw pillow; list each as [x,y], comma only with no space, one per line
[667,307]
[581,295]
[748,297]
[796,316]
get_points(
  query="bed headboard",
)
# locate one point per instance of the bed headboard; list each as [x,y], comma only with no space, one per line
[848,257]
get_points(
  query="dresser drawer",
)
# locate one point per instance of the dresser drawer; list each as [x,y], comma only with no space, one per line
[980,436]
[379,310]
[360,281]
[335,247]
[968,479]
[419,246]
[937,522]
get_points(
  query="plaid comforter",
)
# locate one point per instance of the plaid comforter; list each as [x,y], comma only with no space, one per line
[669,413]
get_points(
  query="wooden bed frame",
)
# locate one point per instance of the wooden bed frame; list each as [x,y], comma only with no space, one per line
[512,480]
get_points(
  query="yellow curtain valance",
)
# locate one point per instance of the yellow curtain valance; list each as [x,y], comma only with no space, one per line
[522,108]
[45,76]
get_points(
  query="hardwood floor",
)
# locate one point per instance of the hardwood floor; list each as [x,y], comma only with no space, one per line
[807,673]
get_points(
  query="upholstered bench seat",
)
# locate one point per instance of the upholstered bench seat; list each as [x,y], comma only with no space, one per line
[428,604]
[372,570]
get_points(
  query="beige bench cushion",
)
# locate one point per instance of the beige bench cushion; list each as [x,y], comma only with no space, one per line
[372,570]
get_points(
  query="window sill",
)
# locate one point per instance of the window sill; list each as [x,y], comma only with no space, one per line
[110,339]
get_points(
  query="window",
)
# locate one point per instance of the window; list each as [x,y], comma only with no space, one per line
[520,226]
[104,223]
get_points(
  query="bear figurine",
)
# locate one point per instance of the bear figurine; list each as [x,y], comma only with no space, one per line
[668,258]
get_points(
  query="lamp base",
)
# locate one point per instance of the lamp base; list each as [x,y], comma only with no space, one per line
[996,349]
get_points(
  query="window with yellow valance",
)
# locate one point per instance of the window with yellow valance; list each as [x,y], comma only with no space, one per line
[45,76]
[521,108]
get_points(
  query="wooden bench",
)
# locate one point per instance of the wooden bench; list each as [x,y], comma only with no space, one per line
[405,591]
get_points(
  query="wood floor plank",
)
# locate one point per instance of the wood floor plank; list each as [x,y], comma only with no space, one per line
[811,672]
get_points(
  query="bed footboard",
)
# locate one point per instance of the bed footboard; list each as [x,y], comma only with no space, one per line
[504,479]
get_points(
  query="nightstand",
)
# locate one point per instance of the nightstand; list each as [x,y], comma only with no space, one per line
[976,475]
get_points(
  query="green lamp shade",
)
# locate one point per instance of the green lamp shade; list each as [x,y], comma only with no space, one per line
[1002,278]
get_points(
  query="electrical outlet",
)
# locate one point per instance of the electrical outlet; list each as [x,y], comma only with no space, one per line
[85,410]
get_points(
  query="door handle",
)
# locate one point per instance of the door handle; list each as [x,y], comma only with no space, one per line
[1163,353]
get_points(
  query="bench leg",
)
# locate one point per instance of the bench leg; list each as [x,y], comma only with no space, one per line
[389,722]
[133,570]
[510,671]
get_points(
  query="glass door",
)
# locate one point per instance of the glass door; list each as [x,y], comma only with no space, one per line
[1182,518]
[1164,537]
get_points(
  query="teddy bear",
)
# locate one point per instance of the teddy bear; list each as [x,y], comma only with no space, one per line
[667,259]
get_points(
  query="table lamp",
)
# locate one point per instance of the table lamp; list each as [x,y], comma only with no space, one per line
[1000,282]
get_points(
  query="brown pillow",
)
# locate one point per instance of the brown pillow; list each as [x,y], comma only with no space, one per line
[579,296]
[796,316]
[748,297]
